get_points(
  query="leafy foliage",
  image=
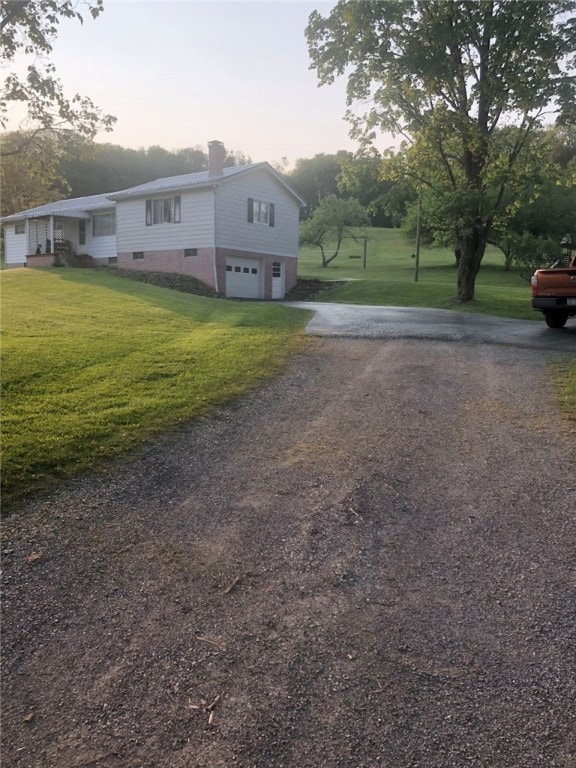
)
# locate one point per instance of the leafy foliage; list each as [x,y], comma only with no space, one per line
[28,27]
[448,75]
[30,178]
[317,177]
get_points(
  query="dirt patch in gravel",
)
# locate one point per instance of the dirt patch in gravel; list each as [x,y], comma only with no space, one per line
[369,562]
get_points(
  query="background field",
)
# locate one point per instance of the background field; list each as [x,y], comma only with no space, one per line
[389,277]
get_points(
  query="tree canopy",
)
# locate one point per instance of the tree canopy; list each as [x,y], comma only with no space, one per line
[317,177]
[28,29]
[447,75]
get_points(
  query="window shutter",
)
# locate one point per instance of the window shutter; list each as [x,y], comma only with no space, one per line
[148,213]
[271,216]
[250,210]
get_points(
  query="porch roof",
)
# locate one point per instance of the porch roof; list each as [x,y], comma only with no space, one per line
[77,208]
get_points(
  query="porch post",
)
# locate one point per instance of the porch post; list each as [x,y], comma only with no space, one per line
[52,245]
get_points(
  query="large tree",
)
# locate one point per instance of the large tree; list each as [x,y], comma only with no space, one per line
[30,178]
[27,31]
[447,74]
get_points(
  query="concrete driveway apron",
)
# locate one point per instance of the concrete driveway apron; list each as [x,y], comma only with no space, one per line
[368,322]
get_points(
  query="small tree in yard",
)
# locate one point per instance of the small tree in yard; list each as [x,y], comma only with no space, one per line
[332,223]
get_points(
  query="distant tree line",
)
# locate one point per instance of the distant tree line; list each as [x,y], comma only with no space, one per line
[538,212]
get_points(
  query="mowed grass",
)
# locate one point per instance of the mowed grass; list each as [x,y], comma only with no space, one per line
[388,279]
[92,364]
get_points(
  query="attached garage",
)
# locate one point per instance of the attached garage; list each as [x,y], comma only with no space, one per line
[244,278]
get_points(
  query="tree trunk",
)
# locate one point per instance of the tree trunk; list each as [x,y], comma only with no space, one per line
[472,247]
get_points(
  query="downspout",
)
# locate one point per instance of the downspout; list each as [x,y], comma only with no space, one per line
[52,244]
[215,238]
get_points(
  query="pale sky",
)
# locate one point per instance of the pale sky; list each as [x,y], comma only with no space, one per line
[184,73]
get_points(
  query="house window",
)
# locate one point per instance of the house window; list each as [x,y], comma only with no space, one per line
[103,224]
[137,255]
[163,210]
[20,229]
[190,251]
[260,212]
[276,269]
[82,232]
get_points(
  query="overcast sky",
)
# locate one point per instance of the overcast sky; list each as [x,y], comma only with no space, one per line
[183,73]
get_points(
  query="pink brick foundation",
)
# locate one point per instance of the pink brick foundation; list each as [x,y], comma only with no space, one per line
[201,265]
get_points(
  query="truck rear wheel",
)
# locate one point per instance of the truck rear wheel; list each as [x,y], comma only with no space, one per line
[556,319]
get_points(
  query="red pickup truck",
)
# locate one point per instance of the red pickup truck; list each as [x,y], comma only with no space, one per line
[554,294]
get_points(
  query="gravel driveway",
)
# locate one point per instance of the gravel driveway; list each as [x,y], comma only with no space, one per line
[368,562]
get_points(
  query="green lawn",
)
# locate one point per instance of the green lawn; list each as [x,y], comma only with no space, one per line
[388,278]
[92,364]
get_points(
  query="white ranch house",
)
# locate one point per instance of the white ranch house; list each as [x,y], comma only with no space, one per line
[235,229]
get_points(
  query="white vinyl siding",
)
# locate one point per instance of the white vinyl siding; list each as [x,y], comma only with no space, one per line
[99,247]
[235,231]
[195,230]
[15,246]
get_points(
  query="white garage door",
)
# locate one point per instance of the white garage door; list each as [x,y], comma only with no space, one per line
[243,278]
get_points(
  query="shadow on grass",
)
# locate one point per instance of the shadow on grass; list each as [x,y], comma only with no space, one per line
[207,309]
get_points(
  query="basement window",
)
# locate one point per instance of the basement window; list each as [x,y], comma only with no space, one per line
[190,251]
[137,255]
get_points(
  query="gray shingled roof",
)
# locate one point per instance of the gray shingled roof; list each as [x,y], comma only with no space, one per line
[76,208]
[183,181]
[198,179]
[81,207]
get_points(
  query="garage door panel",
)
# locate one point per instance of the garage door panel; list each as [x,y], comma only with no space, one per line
[243,278]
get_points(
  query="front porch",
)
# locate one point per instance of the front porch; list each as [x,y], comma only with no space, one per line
[55,242]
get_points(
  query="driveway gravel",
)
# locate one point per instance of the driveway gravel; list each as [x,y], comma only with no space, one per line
[367,562]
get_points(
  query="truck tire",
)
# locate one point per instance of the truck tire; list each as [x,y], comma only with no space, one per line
[555,319]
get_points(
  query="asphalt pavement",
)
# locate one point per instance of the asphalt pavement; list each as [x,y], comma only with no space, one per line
[370,322]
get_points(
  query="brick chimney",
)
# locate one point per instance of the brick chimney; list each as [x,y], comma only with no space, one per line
[216,155]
